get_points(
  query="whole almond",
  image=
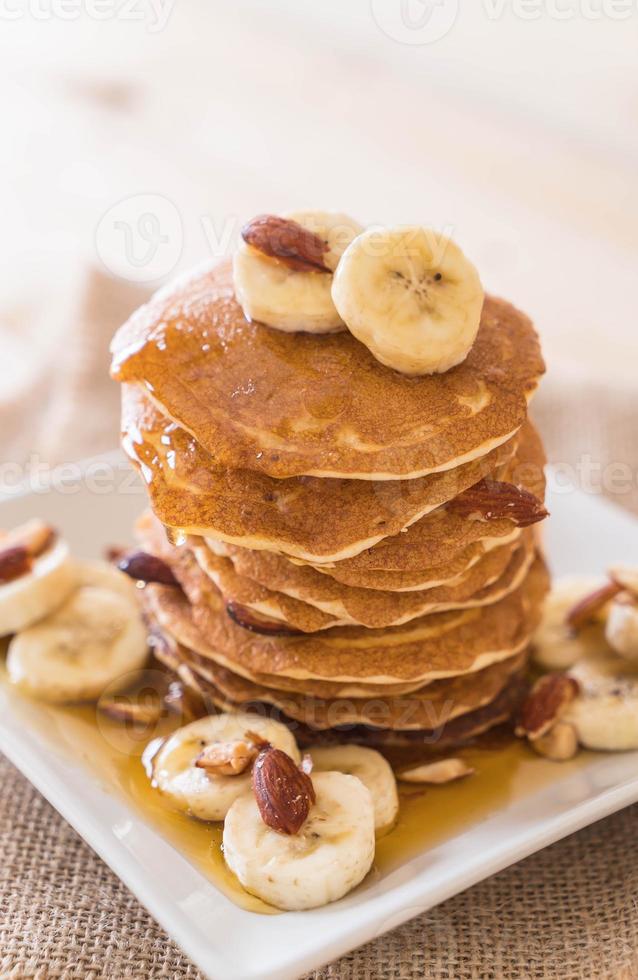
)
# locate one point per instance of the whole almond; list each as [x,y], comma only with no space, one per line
[256,623]
[588,608]
[15,561]
[284,793]
[545,703]
[145,567]
[492,500]
[287,241]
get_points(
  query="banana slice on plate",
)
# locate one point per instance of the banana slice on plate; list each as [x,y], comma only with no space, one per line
[411,296]
[330,854]
[189,767]
[605,712]
[283,268]
[102,575]
[372,769]
[36,593]
[621,628]
[554,645]
[94,640]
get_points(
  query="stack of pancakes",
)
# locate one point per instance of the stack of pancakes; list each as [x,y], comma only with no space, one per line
[355,547]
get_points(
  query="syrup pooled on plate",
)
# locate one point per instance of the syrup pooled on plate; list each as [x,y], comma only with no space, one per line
[428,815]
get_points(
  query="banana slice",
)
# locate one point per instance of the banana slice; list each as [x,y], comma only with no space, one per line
[411,296]
[605,712]
[331,853]
[554,645]
[197,791]
[621,628]
[289,299]
[34,595]
[102,575]
[372,769]
[94,640]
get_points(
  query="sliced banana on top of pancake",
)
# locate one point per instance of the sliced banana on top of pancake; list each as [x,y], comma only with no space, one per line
[92,641]
[327,856]
[411,296]
[371,768]
[203,767]
[282,270]
[36,575]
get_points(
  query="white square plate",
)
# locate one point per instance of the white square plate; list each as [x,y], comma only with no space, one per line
[584,535]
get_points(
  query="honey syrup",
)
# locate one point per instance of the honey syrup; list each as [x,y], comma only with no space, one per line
[428,816]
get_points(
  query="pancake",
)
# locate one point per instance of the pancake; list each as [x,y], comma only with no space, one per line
[500,572]
[428,708]
[462,731]
[441,645]
[180,631]
[292,404]
[397,563]
[313,519]
[456,732]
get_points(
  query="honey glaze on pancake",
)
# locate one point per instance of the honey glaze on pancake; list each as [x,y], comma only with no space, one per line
[314,519]
[500,572]
[290,404]
[425,649]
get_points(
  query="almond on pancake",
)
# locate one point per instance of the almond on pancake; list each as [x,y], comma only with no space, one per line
[292,404]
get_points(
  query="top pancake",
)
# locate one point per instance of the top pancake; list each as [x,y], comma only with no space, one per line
[290,404]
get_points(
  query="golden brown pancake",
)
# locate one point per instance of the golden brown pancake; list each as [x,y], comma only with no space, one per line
[291,404]
[313,519]
[457,731]
[464,730]
[182,631]
[500,571]
[441,645]
[397,563]
[427,708]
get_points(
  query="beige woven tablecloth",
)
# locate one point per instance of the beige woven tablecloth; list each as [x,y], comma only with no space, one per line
[569,912]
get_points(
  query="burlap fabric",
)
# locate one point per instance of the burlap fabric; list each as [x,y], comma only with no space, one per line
[569,912]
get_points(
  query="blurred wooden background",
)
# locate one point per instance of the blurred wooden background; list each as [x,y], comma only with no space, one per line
[517,134]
